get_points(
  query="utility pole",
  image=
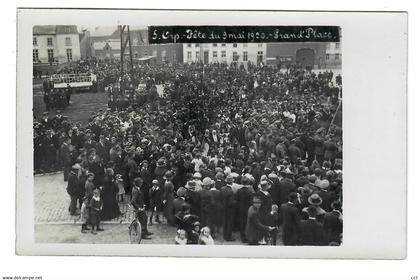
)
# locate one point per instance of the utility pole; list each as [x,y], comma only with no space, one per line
[124,41]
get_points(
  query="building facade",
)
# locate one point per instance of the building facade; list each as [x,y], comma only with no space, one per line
[241,53]
[333,55]
[311,54]
[55,44]
[109,46]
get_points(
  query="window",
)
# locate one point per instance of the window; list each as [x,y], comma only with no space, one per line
[327,56]
[50,55]
[337,45]
[245,45]
[163,55]
[223,45]
[34,41]
[235,56]
[35,56]
[245,56]
[337,56]
[260,45]
[69,55]
[223,54]
[188,45]
[214,45]
[260,57]
[197,56]
[235,45]
[197,45]
[49,41]
[68,41]
[215,54]
[189,56]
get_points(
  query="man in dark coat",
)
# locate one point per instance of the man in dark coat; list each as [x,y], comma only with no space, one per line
[216,207]
[266,200]
[65,158]
[244,200]
[255,229]
[137,201]
[228,202]
[74,190]
[289,215]
[311,231]
[205,201]
[179,202]
[333,224]
[286,186]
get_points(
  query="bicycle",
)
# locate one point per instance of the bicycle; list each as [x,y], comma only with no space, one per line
[135,231]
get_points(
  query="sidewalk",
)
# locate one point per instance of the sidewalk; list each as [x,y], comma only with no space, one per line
[52,202]
[54,224]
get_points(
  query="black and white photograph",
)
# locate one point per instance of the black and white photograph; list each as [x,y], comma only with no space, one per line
[186,143]
[158,132]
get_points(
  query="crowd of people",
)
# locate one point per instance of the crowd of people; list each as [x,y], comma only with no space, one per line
[225,149]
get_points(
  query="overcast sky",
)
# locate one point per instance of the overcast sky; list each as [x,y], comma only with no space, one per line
[105,30]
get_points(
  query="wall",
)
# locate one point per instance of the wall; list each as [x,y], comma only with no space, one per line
[62,48]
[58,46]
[332,50]
[287,51]
[173,52]
[251,48]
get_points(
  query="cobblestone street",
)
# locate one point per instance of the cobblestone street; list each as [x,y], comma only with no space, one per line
[54,224]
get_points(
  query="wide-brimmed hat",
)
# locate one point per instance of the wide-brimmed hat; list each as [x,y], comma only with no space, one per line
[220,176]
[168,175]
[161,162]
[312,178]
[207,181]
[315,199]
[306,191]
[229,178]
[324,184]
[197,175]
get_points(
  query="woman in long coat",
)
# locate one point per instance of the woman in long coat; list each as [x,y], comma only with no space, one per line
[110,190]
[168,198]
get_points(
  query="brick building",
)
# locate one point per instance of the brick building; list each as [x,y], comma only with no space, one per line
[312,54]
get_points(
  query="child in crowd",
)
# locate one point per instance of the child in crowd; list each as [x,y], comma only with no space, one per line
[84,214]
[205,237]
[181,237]
[195,233]
[155,194]
[273,221]
[95,211]
[121,190]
